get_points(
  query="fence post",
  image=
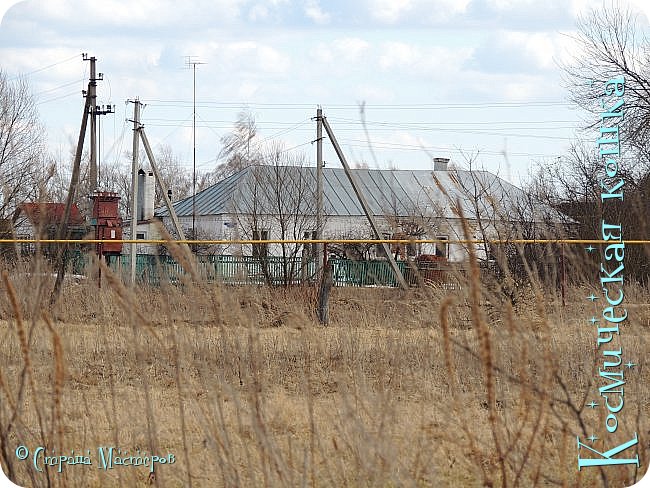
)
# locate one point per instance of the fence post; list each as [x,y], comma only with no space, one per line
[563,277]
[324,294]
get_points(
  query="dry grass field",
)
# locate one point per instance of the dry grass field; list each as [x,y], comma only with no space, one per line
[424,387]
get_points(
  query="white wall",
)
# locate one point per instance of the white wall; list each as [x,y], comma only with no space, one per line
[228,226]
[150,231]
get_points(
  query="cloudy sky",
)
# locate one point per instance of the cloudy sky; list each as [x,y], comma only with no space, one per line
[450,78]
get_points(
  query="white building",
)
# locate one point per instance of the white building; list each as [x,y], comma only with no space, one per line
[279,202]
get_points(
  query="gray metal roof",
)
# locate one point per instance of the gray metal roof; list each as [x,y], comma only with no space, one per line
[388,192]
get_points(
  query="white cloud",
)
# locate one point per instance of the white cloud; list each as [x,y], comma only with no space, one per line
[508,4]
[540,46]
[142,15]
[322,53]
[6,5]
[399,54]
[272,60]
[345,50]
[314,11]
[436,11]
[519,90]
[258,12]
[247,90]
[374,94]
[573,6]
[389,11]
[412,59]
[350,48]
[519,51]
[443,10]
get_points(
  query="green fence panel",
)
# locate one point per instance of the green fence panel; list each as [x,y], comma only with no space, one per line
[243,270]
[364,273]
[152,269]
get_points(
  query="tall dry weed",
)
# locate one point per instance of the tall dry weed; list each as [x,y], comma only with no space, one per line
[425,387]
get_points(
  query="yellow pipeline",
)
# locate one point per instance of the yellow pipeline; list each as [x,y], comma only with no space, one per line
[319,241]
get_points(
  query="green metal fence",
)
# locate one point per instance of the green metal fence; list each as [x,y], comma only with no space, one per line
[274,270]
[237,270]
[365,273]
[240,270]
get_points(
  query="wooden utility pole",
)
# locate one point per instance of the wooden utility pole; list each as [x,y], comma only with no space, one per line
[326,282]
[72,189]
[364,204]
[134,186]
[319,189]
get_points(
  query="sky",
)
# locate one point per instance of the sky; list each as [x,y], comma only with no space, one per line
[466,79]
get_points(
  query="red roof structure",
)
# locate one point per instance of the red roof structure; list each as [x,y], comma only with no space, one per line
[49,213]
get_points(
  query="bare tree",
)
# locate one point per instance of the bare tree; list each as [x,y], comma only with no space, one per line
[571,185]
[116,176]
[241,148]
[175,176]
[278,201]
[411,220]
[21,146]
[612,46]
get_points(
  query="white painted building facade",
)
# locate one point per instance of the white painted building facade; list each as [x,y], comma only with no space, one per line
[266,202]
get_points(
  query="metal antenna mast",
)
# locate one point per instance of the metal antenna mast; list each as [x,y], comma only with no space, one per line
[190,62]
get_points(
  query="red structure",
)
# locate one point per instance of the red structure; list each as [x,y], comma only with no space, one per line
[107,222]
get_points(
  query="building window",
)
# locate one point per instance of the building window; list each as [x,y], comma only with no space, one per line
[260,250]
[141,235]
[310,249]
[442,248]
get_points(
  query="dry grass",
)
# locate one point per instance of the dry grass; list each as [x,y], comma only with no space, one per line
[418,388]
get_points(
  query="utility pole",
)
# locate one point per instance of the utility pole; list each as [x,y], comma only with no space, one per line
[190,62]
[95,111]
[134,186]
[364,204]
[74,181]
[319,191]
[92,95]
[100,110]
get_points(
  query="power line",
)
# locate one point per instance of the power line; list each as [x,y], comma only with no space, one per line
[414,147]
[420,124]
[287,130]
[431,129]
[45,67]
[58,98]
[391,125]
[415,106]
[296,147]
[80,80]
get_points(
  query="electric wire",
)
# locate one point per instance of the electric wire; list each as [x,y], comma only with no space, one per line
[38,70]
[413,106]
[58,87]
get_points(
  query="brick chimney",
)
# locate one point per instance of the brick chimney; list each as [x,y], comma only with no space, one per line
[440,164]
